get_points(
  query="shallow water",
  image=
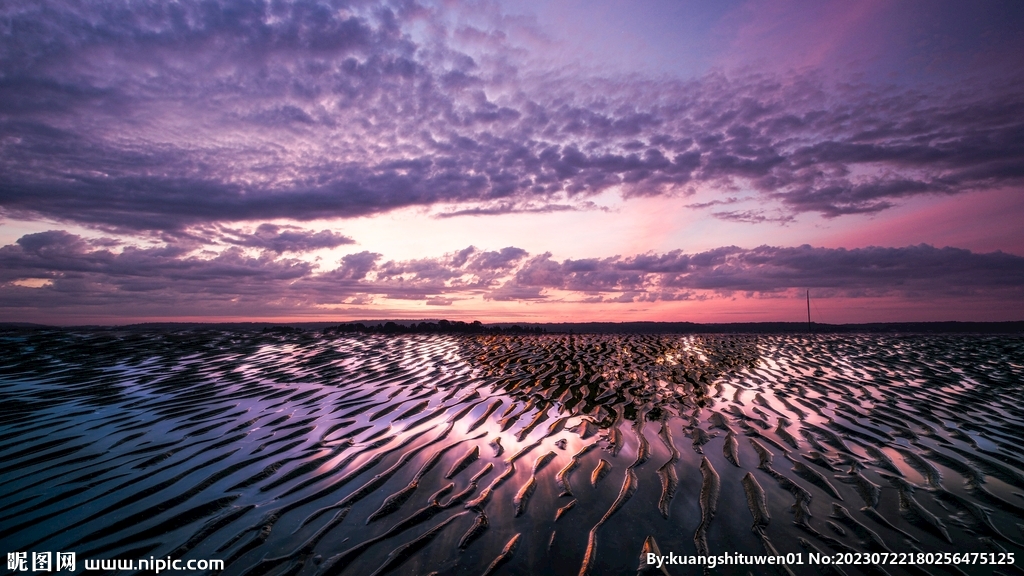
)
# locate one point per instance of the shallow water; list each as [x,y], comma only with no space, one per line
[554,454]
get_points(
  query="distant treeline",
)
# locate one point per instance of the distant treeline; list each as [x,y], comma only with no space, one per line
[476,327]
[787,328]
[439,327]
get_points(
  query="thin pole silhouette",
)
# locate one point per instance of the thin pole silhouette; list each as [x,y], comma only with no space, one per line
[808,310]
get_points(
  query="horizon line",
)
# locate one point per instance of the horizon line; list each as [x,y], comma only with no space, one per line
[435,325]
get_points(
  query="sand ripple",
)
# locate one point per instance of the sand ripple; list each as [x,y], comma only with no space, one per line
[302,453]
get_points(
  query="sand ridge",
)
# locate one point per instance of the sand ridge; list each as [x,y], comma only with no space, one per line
[306,453]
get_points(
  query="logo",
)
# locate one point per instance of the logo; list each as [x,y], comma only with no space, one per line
[41,562]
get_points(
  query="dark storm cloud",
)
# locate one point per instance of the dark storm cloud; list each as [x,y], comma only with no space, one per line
[154,115]
[56,268]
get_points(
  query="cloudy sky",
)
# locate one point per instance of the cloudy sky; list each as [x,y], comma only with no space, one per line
[511,161]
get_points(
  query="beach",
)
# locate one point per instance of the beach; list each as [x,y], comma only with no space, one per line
[325,453]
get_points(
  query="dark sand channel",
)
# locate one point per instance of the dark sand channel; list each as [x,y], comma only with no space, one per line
[555,454]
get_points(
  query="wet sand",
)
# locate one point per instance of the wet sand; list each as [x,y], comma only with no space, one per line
[550,454]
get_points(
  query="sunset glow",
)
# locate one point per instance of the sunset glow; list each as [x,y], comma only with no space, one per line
[500,161]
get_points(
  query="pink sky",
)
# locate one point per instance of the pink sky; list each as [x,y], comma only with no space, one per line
[597,161]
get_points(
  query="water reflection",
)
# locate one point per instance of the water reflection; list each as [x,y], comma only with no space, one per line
[350,454]
[583,375]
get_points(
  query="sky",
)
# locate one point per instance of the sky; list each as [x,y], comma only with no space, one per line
[599,160]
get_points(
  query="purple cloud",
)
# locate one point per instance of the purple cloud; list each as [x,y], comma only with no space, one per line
[914,270]
[163,116]
[65,270]
[500,260]
[752,216]
[285,238]
[357,266]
